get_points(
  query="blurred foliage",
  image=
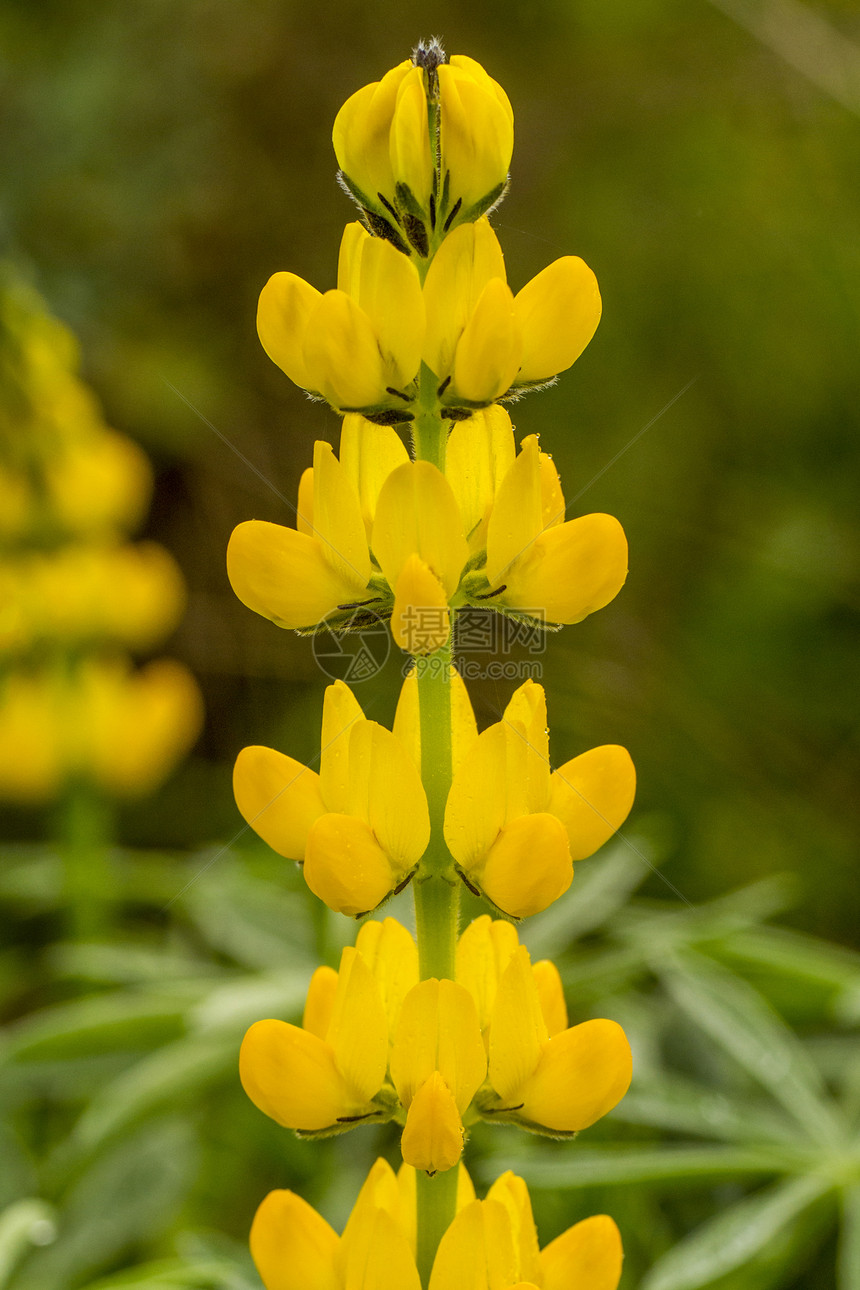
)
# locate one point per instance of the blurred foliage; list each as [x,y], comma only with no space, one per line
[159,161]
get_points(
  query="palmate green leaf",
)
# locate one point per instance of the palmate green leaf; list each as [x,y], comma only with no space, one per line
[739,1019]
[735,1237]
[680,1106]
[22,1225]
[848,1267]
[599,1166]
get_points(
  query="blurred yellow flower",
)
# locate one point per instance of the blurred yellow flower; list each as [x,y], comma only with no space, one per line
[359,827]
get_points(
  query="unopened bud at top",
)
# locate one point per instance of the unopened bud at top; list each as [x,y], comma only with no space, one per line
[426,148]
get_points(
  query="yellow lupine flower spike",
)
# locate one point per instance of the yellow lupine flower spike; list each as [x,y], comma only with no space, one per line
[437,1064]
[560,1083]
[561,571]
[360,826]
[323,1083]
[359,345]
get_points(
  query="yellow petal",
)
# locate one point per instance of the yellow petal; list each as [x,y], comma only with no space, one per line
[407,1183]
[477,1251]
[379,1257]
[341,711]
[286,303]
[571,570]
[393,802]
[433,1135]
[516,518]
[410,138]
[352,245]
[488,789]
[362,130]
[390,296]
[511,1191]
[285,576]
[483,952]
[338,523]
[489,350]
[518,1033]
[345,865]
[476,130]
[465,262]
[439,1031]
[551,996]
[368,454]
[392,956]
[293,1078]
[420,620]
[379,1191]
[417,514]
[592,796]
[479,454]
[358,1031]
[286,1222]
[341,354]
[582,1074]
[587,1254]
[319,1004]
[279,797]
[552,498]
[407,725]
[558,312]
[305,504]
[527,707]
[528,866]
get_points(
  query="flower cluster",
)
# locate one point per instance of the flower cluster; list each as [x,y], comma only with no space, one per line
[75,593]
[435,1031]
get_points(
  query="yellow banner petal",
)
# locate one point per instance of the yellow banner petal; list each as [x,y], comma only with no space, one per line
[518,1033]
[279,797]
[480,452]
[395,805]
[465,262]
[484,950]
[285,306]
[587,1254]
[417,514]
[286,1222]
[341,711]
[489,350]
[511,1191]
[420,619]
[438,1031]
[551,995]
[338,522]
[477,1251]
[358,1031]
[361,133]
[341,354]
[527,707]
[592,796]
[368,454]
[319,1004]
[381,1259]
[477,801]
[392,956]
[517,515]
[390,295]
[410,138]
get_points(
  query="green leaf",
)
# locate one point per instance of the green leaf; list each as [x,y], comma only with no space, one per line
[740,1020]
[596,1166]
[848,1266]
[121,1020]
[173,1274]
[234,1006]
[734,1237]
[23,1225]
[680,1106]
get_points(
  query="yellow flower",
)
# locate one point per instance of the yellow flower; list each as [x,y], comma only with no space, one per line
[358,346]
[295,1249]
[559,1083]
[537,563]
[482,341]
[493,1245]
[300,577]
[484,950]
[419,542]
[327,1075]
[513,826]
[359,827]
[388,136]
[437,1065]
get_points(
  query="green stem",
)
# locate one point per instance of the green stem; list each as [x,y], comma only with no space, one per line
[436,886]
[90,880]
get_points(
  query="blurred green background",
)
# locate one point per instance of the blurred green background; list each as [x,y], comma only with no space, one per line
[159,160]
